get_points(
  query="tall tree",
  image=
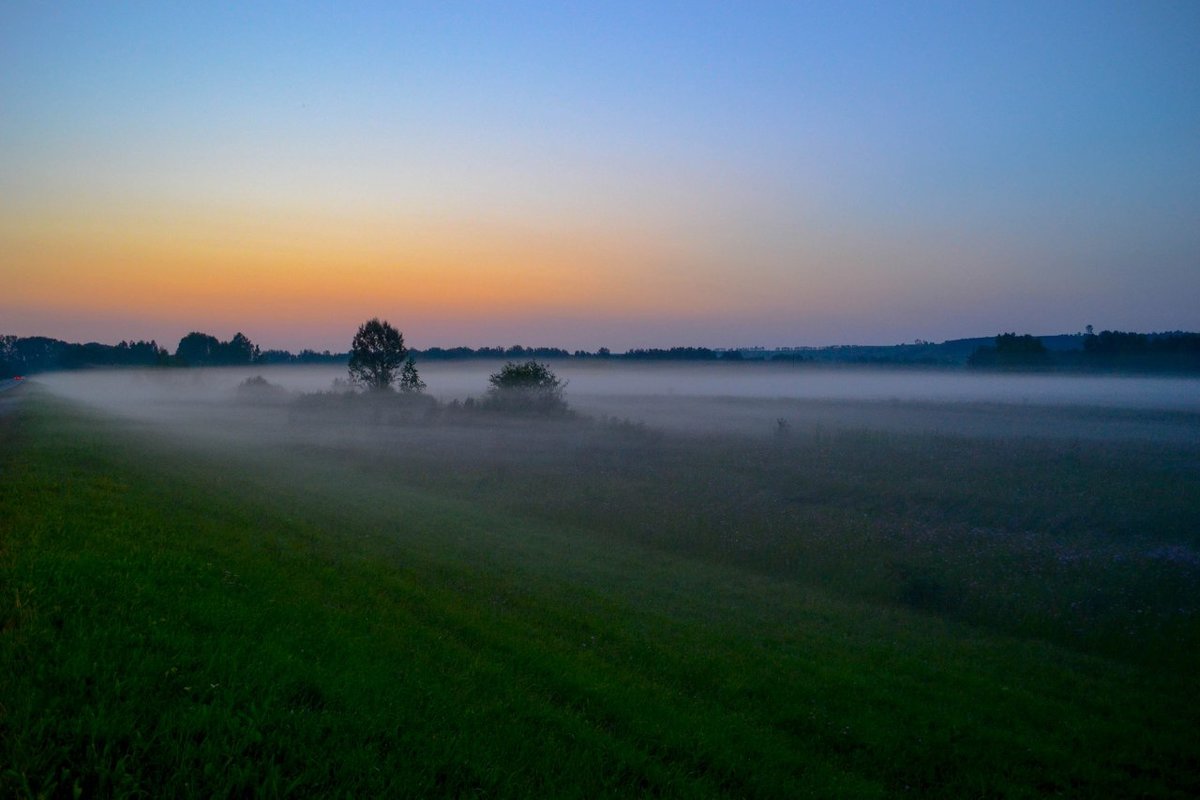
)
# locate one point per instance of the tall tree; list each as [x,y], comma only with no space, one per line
[378,358]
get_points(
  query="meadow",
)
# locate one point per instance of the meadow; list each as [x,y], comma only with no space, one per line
[226,599]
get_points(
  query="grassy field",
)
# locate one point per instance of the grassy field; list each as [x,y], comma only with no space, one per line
[578,609]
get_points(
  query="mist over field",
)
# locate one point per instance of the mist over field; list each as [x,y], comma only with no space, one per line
[706,580]
[724,398]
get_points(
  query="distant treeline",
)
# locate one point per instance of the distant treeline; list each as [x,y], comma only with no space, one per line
[519,352]
[1174,351]
[514,352]
[22,355]
[30,354]
[205,350]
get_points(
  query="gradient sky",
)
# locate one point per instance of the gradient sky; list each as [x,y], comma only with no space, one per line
[606,174]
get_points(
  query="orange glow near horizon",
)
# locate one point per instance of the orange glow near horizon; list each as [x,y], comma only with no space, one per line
[242,269]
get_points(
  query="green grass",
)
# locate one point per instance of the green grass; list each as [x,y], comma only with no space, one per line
[605,613]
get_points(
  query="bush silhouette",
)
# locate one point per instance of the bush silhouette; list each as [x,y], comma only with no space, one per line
[530,388]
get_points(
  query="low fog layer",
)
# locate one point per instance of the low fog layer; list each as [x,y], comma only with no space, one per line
[722,398]
[1047,503]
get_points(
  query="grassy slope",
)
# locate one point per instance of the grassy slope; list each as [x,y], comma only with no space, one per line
[181,625]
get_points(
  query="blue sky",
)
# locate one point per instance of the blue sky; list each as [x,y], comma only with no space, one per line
[610,174]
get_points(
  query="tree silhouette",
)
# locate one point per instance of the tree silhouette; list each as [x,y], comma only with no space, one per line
[1011,350]
[378,358]
[529,387]
[197,349]
[240,350]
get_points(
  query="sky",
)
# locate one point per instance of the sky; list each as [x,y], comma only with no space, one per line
[603,174]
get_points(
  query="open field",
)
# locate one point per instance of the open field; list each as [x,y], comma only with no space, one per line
[360,601]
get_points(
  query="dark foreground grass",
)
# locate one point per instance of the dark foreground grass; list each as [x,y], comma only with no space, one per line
[178,623]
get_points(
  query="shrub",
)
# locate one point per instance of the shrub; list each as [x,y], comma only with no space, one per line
[259,390]
[530,388]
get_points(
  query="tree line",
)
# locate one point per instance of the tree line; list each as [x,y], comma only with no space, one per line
[30,354]
[1174,351]
[27,355]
